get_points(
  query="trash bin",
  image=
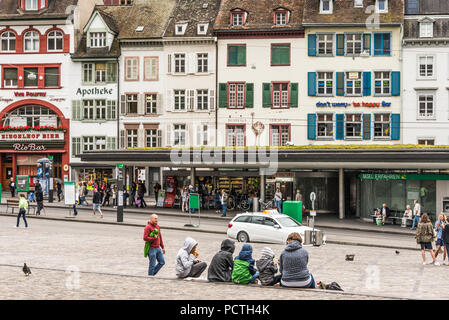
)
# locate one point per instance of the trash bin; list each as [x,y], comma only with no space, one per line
[318,235]
[379,221]
[255,204]
[293,209]
[307,237]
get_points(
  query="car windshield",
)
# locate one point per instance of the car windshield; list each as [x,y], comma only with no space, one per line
[288,222]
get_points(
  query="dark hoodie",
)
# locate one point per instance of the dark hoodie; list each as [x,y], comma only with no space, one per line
[38,192]
[220,269]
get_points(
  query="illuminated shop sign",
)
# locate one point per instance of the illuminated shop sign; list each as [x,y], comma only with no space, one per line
[328,104]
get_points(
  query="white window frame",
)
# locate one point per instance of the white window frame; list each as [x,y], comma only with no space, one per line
[130,99]
[426,29]
[236,134]
[205,26]
[236,92]
[202,62]
[202,99]
[353,43]
[179,134]
[280,138]
[97,39]
[325,79]
[89,109]
[88,71]
[8,36]
[328,133]
[131,138]
[322,11]
[280,96]
[382,83]
[179,60]
[151,68]
[238,18]
[358,3]
[384,123]
[281,18]
[151,138]
[350,119]
[180,28]
[426,66]
[427,139]
[32,5]
[32,37]
[11,84]
[100,109]
[180,100]
[131,68]
[54,36]
[378,10]
[426,94]
[151,103]
[326,42]
[353,81]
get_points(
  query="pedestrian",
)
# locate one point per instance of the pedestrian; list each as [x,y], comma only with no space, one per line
[59,189]
[107,195]
[141,193]
[96,202]
[132,196]
[224,202]
[445,238]
[298,196]
[424,237]
[244,271]
[23,206]
[385,212]
[187,262]
[267,268]
[439,227]
[83,194]
[217,201]
[125,195]
[12,187]
[156,250]
[220,268]
[39,194]
[293,264]
[190,191]
[416,214]
[184,199]
[278,200]
[156,188]
[114,196]
[408,214]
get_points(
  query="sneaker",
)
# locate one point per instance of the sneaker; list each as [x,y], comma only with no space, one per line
[445,263]
[101,216]
[16,226]
[424,263]
[436,263]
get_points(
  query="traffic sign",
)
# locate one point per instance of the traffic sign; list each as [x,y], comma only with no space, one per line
[312,213]
[312,196]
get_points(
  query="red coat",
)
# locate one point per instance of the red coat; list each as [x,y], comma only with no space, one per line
[155,242]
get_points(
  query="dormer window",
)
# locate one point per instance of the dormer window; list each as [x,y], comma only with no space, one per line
[33,5]
[180,29]
[326,6]
[202,28]
[382,6]
[358,3]
[281,17]
[238,17]
[426,29]
[98,39]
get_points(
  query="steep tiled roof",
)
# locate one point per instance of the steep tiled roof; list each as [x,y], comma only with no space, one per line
[153,15]
[193,12]
[9,9]
[260,14]
[345,12]
[109,20]
[440,29]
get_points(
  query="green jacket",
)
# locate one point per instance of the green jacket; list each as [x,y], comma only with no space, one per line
[23,203]
[240,272]
[425,233]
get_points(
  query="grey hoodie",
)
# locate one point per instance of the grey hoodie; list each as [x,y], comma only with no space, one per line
[185,260]
[293,263]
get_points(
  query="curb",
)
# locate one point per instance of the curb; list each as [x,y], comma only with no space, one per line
[200,230]
[220,283]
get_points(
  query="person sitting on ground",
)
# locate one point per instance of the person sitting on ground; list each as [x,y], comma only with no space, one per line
[244,271]
[267,268]
[220,268]
[187,263]
[293,264]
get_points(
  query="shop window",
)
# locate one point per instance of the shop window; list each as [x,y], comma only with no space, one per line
[10,77]
[382,125]
[180,100]
[382,84]
[354,43]
[325,83]
[8,40]
[325,125]
[237,55]
[31,41]
[280,134]
[235,135]
[202,98]
[353,83]
[280,54]
[236,95]
[51,77]
[151,103]
[31,77]
[325,44]
[55,41]
[353,125]
[131,136]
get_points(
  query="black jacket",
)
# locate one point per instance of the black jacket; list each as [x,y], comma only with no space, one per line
[97,197]
[220,269]
[445,234]
[38,192]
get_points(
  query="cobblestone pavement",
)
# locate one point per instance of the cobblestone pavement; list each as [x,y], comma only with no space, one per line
[118,250]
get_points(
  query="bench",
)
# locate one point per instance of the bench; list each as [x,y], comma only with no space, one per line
[12,204]
[395,220]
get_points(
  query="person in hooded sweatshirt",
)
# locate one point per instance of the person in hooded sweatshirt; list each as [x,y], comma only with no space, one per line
[244,271]
[220,269]
[293,264]
[267,268]
[187,263]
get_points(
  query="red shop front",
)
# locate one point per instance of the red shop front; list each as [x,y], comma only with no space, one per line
[32,129]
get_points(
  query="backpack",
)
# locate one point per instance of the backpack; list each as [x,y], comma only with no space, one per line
[333,286]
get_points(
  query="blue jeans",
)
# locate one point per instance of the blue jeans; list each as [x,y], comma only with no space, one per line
[310,285]
[223,208]
[22,213]
[415,222]
[255,276]
[278,204]
[153,255]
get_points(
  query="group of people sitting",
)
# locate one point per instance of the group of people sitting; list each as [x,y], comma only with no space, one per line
[243,269]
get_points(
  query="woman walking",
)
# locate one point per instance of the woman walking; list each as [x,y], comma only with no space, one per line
[439,227]
[425,236]
[278,200]
[23,206]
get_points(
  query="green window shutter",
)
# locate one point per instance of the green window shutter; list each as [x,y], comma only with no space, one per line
[249,102]
[222,95]
[241,56]
[236,55]
[340,83]
[280,54]
[340,44]
[232,55]
[266,95]
[294,95]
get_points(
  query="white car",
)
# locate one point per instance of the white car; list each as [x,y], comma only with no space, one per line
[265,227]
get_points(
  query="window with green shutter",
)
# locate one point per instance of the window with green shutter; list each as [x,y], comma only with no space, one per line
[237,55]
[280,54]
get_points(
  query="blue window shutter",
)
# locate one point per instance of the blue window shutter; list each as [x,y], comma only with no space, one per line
[395,126]
[311,82]
[340,127]
[340,83]
[396,83]
[341,44]
[367,83]
[311,126]
[378,44]
[312,44]
[367,126]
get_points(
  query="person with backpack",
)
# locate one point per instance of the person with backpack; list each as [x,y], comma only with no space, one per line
[96,200]
[156,249]
[220,268]
[187,262]
[267,268]
[23,206]
[244,271]
[424,237]
[39,194]
[293,264]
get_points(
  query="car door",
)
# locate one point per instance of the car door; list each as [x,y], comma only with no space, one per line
[256,228]
[270,233]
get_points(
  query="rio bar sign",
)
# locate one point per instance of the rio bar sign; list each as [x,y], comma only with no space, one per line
[28,147]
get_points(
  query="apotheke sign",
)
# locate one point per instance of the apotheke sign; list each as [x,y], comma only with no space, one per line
[94,91]
[353,104]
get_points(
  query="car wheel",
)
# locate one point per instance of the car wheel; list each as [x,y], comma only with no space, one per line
[242,236]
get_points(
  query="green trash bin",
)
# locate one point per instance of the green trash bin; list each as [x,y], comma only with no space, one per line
[379,221]
[293,209]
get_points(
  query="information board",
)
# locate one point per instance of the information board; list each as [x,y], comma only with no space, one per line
[69,193]
[194,201]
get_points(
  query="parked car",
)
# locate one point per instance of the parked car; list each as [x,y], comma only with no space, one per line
[265,227]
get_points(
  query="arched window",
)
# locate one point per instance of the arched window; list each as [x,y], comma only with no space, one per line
[32,115]
[55,41]
[8,40]
[31,40]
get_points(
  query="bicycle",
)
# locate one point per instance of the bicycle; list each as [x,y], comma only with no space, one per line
[266,205]
[239,202]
